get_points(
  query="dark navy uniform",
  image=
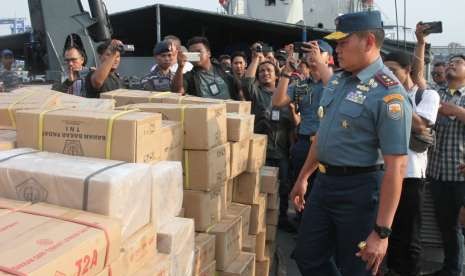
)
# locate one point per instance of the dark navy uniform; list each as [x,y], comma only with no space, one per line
[363,117]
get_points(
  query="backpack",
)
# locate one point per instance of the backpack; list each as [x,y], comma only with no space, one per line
[420,142]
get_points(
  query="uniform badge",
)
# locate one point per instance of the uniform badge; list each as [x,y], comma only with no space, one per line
[394,110]
[321,112]
[372,83]
[363,87]
[334,82]
[356,97]
[345,124]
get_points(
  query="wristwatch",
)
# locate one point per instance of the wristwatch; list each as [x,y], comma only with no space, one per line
[383,232]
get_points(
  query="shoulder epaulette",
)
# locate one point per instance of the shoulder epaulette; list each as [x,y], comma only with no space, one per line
[385,80]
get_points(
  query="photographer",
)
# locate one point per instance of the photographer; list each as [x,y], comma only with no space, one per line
[305,95]
[418,64]
[404,250]
[74,84]
[105,78]
[206,79]
[9,78]
[239,65]
[273,121]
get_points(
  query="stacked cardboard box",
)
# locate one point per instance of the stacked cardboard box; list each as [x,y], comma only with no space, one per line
[7,139]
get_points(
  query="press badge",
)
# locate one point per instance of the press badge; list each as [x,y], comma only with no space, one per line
[214,90]
[275,115]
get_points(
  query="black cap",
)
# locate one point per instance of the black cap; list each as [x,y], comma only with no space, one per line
[161,47]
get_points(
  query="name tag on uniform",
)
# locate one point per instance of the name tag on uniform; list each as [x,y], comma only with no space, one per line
[214,90]
[275,115]
[356,97]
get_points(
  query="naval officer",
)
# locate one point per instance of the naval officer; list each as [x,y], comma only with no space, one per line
[360,151]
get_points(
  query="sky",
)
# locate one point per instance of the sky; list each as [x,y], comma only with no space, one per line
[447,11]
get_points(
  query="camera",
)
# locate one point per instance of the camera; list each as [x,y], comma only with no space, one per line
[259,48]
[434,27]
[123,48]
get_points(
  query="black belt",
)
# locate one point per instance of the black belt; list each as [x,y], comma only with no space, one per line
[344,170]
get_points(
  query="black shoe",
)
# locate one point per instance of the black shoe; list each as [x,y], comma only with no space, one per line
[285,225]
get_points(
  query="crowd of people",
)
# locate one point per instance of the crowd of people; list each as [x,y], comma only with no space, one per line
[356,137]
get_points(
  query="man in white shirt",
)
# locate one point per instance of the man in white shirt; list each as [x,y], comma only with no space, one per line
[404,245]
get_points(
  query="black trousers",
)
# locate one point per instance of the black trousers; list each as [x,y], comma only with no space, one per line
[404,251]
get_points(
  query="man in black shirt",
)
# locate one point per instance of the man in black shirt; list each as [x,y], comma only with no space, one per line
[105,78]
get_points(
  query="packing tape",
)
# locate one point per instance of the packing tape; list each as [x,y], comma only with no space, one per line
[111,121]
[84,223]
[181,99]
[186,170]
[156,95]
[12,105]
[40,128]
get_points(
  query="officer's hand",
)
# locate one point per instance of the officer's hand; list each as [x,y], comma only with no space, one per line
[419,32]
[373,252]
[298,194]
[314,57]
[182,59]
[462,216]
[115,45]
[448,109]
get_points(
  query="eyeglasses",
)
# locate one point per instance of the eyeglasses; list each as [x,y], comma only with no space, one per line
[67,60]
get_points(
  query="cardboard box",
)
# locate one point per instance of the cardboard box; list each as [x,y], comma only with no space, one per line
[270,180]
[204,125]
[243,211]
[240,126]
[57,239]
[257,152]
[116,268]
[258,215]
[209,270]
[246,188]
[167,192]
[81,103]
[270,249]
[242,107]
[160,265]
[139,249]
[223,198]
[111,188]
[170,141]
[7,205]
[271,231]
[244,265]
[228,241]
[260,252]
[129,96]
[272,217]
[273,202]
[262,268]
[23,99]
[239,157]
[7,139]
[204,252]
[176,238]
[206,170]
[203,207]
[249,243]
[128,137]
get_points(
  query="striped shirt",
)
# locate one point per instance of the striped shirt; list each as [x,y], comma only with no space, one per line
[449,150]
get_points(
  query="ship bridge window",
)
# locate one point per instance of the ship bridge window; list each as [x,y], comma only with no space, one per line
[270,2]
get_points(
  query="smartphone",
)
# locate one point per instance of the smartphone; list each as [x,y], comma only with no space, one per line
[298,47]
[192,56]
[434,27]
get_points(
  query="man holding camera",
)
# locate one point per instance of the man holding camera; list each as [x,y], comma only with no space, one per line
[365,119]
[206,79]
[105,78]
[445,159]
[305,95]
